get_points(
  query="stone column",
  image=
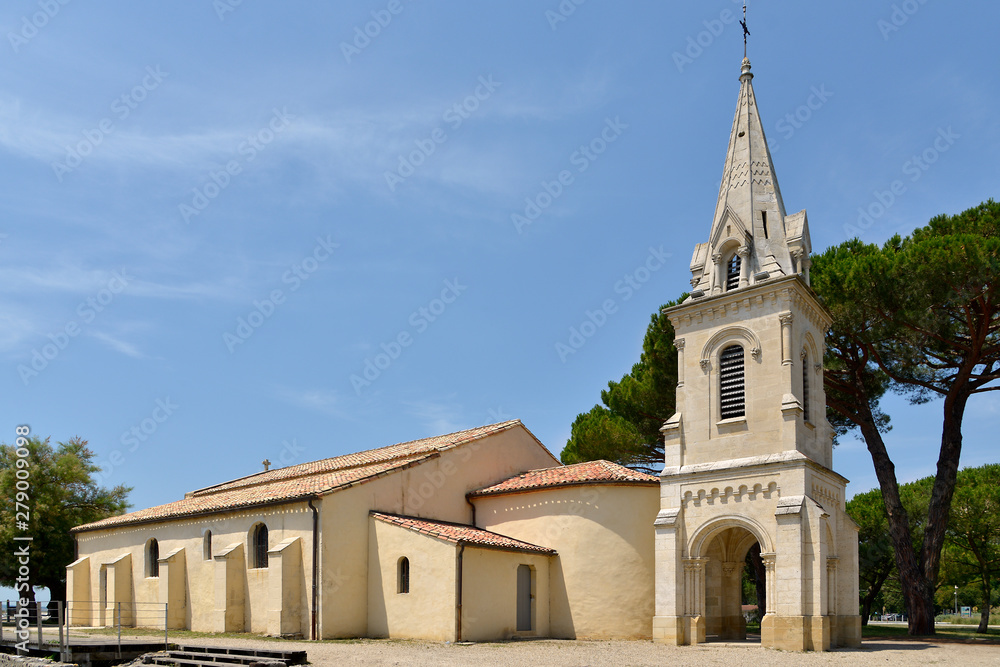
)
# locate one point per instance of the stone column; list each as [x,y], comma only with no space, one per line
[744,253]
[786,338]
[718,275]
[831,585]
[733,623]
[679,344]
[694,599]
[769,581]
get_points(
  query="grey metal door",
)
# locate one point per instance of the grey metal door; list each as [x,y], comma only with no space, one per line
[524,598]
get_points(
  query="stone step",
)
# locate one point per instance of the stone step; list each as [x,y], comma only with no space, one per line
[288,657]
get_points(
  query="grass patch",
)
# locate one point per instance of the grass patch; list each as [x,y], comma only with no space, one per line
[941,632]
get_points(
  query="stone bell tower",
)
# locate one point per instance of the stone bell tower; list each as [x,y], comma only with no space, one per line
[749,453]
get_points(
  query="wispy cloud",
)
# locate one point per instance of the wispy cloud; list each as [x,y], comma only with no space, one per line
[437,416]
[119,345]
[317,400]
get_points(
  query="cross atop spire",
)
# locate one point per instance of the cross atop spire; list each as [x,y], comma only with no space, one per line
[746,31]
[750,220]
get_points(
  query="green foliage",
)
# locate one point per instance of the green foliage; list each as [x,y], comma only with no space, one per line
[919,316]
[626,429]
[971,557]
[63,494]
[972,546]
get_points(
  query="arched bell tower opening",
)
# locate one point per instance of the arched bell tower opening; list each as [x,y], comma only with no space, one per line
[748,455]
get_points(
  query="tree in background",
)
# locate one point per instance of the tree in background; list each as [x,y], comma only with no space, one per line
[626,429]
[920,315]
[63,494]
[972,552]
[876,559]
[971,558]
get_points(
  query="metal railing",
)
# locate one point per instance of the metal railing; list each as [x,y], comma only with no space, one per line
[115,615]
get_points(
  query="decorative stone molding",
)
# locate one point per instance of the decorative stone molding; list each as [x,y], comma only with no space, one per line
[727,495]
[671,426]
[731,568]
[790,505]
[667,518]
[738,334]
[822,492]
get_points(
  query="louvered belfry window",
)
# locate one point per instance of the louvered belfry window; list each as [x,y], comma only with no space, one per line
[733,273]
[731,382]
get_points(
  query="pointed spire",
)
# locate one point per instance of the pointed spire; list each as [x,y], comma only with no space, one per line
[750,221]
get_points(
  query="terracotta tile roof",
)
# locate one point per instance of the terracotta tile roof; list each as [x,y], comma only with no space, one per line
[458,533]
[304,480]
[591,472]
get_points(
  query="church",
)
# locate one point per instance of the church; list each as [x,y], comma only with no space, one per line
[483,535]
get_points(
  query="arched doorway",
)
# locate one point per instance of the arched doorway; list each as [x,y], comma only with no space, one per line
[721,549]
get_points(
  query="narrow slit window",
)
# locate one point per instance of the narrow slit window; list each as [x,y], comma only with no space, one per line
[260,546]
[733,272]
[805,386]
[403,575]
[206,546]
[153,558]
[763,222]
[732,391]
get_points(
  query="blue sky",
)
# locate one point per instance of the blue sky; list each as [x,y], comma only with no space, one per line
[215,214]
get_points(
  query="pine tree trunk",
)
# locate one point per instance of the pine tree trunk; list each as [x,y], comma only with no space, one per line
[917,595]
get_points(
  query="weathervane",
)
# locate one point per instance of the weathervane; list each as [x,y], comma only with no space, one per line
[745,30]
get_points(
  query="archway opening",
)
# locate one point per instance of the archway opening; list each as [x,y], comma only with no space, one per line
[731,605]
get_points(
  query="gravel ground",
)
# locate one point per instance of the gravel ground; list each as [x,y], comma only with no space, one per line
[542,653]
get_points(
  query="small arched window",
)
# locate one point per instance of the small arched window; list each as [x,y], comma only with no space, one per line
[733,272]
[206,545]
[805,385]
[732,389]
[152,558]
[403,575]
[258,551]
